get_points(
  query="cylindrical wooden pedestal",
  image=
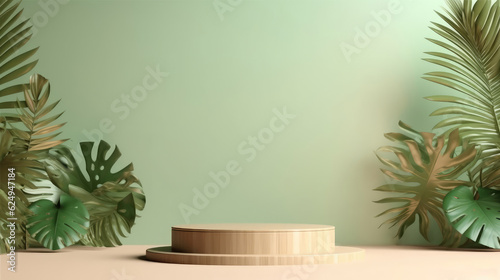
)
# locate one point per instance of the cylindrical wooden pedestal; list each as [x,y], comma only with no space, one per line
[253,244]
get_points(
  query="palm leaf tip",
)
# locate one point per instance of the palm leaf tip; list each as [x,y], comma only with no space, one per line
[14,61]
[39,132]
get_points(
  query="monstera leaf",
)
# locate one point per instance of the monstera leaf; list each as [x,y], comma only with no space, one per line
[471,63]
[112,199]
[59,225]
[14,34]
[477,219]
[425,170]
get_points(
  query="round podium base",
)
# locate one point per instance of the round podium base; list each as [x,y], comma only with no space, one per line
[254,244]
[340,255]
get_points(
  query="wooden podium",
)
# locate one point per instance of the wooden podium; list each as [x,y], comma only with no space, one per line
[254,244]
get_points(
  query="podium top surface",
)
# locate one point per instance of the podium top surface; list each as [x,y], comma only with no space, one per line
[252,227]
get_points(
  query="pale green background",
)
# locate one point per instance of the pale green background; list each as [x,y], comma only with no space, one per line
[226,76]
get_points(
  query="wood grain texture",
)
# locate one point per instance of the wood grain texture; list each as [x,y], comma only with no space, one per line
[254,244]
[262,239]
[341,255]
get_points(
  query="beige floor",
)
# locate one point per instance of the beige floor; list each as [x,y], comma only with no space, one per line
[127,263]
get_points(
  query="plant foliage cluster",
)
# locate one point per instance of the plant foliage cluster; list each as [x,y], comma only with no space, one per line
[57,203]
[454,178]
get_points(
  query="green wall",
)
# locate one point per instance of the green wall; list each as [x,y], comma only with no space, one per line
[229,72]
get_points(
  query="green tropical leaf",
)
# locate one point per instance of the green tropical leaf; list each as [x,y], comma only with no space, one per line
[477,219]
[425,170]
[27,171]
[13,64]
[23,149]
[19,151]
[59,225]
[111,217]
[486,174]
[471,57]
[38,132]
[112,198]
[45,189]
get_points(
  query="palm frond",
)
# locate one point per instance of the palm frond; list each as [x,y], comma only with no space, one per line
[486,174]
[470,38]
[27,169]
[112,210]
[14,34]
[39,131]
